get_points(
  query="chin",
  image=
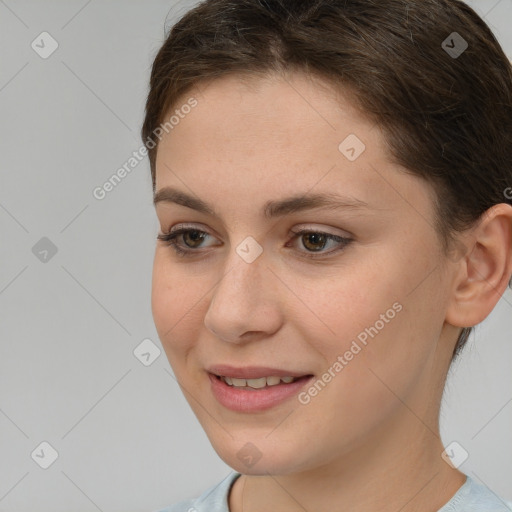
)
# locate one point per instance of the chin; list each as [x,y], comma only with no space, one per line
[258,459]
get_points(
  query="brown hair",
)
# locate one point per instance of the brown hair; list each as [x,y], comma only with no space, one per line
[446,117]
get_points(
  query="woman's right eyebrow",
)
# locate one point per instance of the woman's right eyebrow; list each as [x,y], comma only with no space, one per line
[272,209]
[173,195]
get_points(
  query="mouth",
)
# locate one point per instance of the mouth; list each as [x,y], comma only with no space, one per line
[260,383]
[253,389]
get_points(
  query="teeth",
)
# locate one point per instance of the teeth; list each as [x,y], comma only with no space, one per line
[273,381]
[257,383]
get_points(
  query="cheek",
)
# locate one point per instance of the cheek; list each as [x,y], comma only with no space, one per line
[176,305]
[162,297]
[350,304]
[375,318]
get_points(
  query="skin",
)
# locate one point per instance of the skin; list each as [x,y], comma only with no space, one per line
[370,439]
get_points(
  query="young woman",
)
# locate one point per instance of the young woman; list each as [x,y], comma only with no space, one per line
[333,183]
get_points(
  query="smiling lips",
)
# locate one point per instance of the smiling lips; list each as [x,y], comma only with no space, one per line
[257,383]
[255,377]
[252,372]
[253,389]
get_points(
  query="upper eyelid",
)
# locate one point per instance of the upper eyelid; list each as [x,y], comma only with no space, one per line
[294,230]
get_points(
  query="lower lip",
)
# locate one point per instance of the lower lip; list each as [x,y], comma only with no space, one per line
[253,400]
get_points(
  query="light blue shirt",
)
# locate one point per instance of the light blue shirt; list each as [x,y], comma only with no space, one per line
[471,497]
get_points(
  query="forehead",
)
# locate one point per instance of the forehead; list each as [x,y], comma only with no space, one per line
[279,135]
[275,120]
[278,108]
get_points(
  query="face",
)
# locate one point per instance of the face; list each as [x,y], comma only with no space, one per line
[347,294]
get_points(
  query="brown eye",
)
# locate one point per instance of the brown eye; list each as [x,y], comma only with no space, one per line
[316,241]
[312,241]
[184,241]
[196,237]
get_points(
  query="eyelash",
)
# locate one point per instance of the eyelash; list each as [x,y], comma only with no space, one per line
[170,240]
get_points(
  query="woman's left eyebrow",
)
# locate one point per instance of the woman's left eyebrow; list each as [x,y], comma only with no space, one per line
[272,209]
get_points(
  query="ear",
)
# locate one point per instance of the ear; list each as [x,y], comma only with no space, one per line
[484,271]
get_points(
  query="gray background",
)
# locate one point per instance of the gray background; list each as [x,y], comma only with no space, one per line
[125,437]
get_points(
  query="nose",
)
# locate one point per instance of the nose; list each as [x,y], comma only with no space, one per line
[244,304]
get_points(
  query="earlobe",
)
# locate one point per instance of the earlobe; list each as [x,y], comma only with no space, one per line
[485,269]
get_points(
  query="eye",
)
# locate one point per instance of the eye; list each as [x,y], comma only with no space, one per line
[313,240]
[192,235]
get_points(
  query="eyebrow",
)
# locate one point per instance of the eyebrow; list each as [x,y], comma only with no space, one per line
[271,209]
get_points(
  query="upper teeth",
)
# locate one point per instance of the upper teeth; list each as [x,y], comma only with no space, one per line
[257,383]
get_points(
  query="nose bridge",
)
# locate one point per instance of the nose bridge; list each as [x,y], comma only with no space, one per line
[245,275]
